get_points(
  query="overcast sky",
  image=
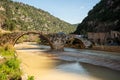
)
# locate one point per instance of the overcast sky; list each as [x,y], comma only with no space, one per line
[71,11]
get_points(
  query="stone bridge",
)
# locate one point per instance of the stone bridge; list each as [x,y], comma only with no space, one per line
[57,41]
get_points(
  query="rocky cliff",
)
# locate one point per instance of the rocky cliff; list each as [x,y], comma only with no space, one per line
[105,16]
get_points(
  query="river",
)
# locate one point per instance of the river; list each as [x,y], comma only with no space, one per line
[43,66]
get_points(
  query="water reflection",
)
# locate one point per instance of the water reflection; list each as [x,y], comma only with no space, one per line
[72,67]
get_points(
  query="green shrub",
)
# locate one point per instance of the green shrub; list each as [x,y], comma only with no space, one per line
[13,63]
[3,76]
[7,50]
[30,78]
[10,69]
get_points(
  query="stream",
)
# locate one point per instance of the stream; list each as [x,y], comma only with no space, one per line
[60,69]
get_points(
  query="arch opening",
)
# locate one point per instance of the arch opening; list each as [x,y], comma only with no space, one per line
[75,43]
[40,36]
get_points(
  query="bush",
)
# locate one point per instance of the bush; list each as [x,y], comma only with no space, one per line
[7,51]
[13,63]
[30,78]
[3,76]
[10,69]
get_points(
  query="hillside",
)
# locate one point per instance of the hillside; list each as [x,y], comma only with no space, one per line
[19,16]
[75,25]
[105,16]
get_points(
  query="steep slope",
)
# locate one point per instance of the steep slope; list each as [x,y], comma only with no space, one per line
[19,16]
[105,16]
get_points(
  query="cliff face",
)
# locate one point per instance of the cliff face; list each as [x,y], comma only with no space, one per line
[105,16]
[19,16]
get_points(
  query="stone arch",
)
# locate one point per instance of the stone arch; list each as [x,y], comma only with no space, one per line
[39,33]
[75,42]
[82,45]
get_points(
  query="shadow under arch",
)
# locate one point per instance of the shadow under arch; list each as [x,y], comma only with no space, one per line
[75,43]
[39,33]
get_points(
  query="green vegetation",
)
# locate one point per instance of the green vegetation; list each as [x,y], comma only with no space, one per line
[29,38]
[105,16]
[75,25]
[30,78]
[22,39]
[9,65]
[19,16]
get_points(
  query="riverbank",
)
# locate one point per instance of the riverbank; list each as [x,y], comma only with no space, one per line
[9,64]
[107,48]
[33,64]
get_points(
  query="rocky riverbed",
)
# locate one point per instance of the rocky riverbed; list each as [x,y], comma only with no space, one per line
[112,62]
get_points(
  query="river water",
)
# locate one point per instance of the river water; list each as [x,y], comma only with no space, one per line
[73,70]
